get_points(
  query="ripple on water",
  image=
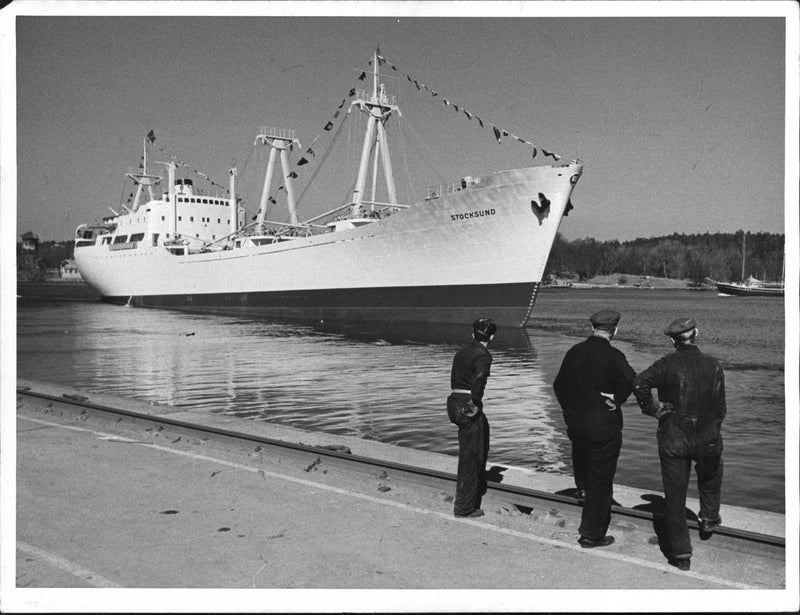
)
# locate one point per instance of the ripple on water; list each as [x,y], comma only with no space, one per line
[391,388]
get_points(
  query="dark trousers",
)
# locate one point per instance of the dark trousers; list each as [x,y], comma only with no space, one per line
[473,451]
[679,443]
[594,463]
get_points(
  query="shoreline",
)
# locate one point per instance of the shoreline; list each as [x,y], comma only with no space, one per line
[58,290]
[629,281]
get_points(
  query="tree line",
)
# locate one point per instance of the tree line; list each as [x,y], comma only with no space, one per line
[677,256]
[48,255]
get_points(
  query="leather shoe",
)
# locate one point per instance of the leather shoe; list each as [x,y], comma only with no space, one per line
[709,525]
[588,543]
[475,513]
[683,563]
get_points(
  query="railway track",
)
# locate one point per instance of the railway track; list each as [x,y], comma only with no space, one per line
[523,498]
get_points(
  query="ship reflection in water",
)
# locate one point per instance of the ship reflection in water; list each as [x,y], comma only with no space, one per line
[381,383]
[376,382]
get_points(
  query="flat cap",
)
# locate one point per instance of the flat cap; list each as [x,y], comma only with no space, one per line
[680,325]
[605,318]
[484,328]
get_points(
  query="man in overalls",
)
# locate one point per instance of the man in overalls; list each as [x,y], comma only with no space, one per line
[690,409]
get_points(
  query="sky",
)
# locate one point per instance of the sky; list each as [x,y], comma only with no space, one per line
[679,120]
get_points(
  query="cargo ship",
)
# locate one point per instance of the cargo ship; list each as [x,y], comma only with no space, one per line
[474,247]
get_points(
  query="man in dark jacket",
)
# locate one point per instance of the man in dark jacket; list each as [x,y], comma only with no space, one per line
[471,367]
[595,379]
[690,409]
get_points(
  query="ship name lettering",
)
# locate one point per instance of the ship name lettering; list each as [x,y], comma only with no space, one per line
[472,214]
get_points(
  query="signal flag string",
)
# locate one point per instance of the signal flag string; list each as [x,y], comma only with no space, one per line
[499,133]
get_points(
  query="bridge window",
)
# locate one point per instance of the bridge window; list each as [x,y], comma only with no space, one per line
[121,239]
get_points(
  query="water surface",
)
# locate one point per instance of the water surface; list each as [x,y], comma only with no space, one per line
[390,385]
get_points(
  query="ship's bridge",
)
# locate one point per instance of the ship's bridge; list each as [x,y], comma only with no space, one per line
[184,187]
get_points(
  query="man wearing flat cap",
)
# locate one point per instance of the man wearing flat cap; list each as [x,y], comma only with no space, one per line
[468,376]
[595,379]
[690,408]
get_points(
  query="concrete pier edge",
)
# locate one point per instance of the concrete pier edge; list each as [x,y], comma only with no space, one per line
[742,518]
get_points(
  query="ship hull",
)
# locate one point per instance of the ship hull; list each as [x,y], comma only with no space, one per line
[506,303]
[477,252]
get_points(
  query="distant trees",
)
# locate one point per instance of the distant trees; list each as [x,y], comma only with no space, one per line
[48,255]
[53,252]
[677,256]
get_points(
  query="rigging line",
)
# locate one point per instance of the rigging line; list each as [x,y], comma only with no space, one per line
[185,165]
[351,169]
[323,131]
[247,160]
[498,131]
[122,196]
[421,153]
[324,157]
[401,139]
[407,175]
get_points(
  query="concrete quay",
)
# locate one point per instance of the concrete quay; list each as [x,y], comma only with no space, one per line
[147,515]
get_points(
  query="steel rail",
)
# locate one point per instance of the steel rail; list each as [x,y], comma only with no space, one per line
[753,538]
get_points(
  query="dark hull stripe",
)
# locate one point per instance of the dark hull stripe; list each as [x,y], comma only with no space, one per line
[507,304]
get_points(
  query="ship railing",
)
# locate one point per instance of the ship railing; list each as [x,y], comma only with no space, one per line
[385,99]
[286,230]
[384,206]
[139,172]
[270,132]
[434,192]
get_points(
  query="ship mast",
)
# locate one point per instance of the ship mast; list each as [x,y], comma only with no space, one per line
[143,179]
[378,107]
[744,252]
